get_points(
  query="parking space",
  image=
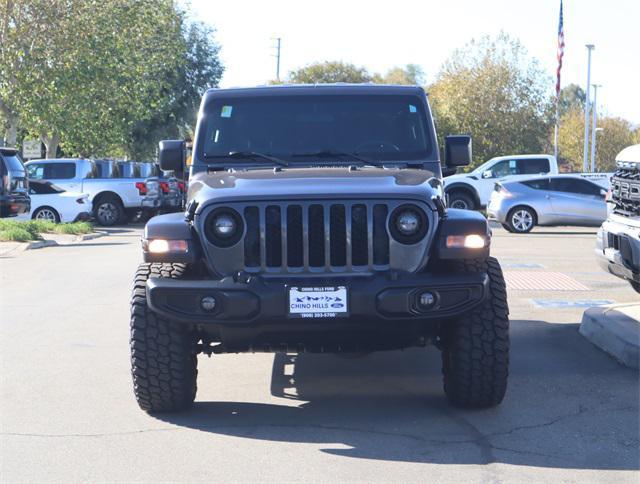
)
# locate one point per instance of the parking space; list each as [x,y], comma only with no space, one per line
[68,412]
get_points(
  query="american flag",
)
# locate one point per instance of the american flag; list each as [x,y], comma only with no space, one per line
[560,50]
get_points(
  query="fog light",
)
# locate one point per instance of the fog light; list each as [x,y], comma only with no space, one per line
[162,246]
[426,299]
[208,303]
[473,241]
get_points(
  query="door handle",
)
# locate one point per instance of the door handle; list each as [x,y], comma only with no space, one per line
[548,197]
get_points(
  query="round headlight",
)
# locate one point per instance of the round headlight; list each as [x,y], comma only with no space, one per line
[224,226]
[408,223]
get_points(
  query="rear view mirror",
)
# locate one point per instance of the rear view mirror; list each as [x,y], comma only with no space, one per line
[457,150]
[171,155]
[487,174]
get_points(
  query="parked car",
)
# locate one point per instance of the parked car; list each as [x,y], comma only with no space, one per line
[472,190]
[113,198]
[50,202]
[14,199]
[618,240]
[555,200]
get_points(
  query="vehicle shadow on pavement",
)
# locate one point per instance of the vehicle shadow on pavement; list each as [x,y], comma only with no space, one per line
[568,406]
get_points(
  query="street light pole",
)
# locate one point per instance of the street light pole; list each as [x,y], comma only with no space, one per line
[279,40]
[594,127]
[585,161]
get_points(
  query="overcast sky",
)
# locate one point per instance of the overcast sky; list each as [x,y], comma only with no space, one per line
[380,35]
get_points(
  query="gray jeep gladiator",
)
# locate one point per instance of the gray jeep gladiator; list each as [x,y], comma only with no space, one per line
[316,222]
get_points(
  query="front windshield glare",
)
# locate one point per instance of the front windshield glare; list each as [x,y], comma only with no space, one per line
[389,127]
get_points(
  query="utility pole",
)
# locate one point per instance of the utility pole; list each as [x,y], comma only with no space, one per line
[585,161]
[277,47]
[594,127]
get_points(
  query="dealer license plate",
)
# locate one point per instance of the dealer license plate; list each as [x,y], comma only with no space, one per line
[318,302]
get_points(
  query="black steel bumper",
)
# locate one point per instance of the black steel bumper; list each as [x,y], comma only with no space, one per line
[618,250]
[372,299]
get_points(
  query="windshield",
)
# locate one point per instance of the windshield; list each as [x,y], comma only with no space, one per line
[13,163]
[387,127]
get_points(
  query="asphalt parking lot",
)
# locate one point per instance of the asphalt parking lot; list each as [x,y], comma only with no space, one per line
[68,414]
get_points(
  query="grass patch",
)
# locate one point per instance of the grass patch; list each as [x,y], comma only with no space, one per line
[16,234]
[24,231]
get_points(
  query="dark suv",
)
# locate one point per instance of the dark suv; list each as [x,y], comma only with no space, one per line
[315,221]
[14,197]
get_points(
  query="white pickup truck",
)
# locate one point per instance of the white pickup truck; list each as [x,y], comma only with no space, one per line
[472,190]
[112,198]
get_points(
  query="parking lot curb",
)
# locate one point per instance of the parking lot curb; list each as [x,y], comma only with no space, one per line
[616,330]
[40,244]
[91,236]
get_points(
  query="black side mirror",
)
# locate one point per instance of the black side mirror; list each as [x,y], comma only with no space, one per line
[171,155]
[457,150]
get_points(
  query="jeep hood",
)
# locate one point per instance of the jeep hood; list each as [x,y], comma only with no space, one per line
[312,183]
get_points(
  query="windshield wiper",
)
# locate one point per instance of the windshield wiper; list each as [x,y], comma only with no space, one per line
[340,154]
[251,155]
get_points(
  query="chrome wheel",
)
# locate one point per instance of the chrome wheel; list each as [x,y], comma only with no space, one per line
[46,214]
[107,213]
[522,220]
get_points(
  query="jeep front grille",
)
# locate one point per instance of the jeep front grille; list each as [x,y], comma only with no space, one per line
[316,237]
[625,191]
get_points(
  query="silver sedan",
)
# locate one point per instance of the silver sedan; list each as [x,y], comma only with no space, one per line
[555,200]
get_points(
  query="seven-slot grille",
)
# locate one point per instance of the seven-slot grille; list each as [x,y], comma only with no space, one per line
[625,191]
[316,236]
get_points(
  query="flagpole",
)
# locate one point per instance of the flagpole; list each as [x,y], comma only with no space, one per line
[560,56]
[555,134]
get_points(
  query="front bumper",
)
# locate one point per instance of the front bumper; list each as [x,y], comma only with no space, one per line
[618,250]
[377,299]
[497,211]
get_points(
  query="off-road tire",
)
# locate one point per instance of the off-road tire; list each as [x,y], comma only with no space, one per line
[164,362]
[475,356]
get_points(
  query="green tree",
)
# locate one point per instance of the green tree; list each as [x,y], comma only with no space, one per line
[91,75]
[411,74]
[176,115]
[328,72]
[616,134]
[494,91]
[571,97]
[106,68]
[25,27]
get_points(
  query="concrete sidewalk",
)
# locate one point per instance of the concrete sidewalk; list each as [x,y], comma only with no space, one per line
[616,330]
[48,240]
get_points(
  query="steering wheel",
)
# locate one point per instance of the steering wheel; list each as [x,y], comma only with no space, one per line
[376,146]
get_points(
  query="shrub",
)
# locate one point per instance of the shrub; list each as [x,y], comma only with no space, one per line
[16,234]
